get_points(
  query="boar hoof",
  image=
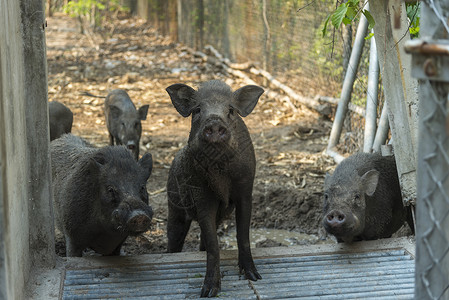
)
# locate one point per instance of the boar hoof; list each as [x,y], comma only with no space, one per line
[250,271]
[210,289]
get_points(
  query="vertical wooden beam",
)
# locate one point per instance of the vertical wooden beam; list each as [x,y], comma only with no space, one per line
[399,87]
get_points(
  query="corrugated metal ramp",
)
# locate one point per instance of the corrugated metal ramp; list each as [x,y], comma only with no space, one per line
[376,270]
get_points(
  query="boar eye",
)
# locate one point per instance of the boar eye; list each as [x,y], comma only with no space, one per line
[356,199]
[231,111]
[136,125]
[326,197]
[196,110]
[143,190]
[144,193]
[111,190]
[113,195]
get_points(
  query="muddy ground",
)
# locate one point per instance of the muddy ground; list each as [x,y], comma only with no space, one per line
[130,55]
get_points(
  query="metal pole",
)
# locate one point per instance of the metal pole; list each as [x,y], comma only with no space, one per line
[371,101]
[382,129]
[3,283]
[348,82]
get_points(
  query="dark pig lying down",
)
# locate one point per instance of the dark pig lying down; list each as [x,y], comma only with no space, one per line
[100,195]
[214,173]
[362,199]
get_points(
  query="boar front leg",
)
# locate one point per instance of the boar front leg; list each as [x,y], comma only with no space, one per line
[117,250]
[243,206]
[72,250]
[207,220]
[111,139]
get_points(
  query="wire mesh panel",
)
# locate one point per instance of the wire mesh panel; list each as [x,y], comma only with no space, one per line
[283,37]
[432,260]
[433,198]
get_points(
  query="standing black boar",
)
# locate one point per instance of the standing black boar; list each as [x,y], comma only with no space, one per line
[100,195]
[60,119]
[214,173]
[362,199]
[124,121]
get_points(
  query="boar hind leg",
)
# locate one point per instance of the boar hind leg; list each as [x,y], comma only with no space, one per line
[177,227]
[243,218]
[202,244]
[409,210]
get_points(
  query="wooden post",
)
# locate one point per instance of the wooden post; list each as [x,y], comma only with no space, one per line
[27,230]
[399,87]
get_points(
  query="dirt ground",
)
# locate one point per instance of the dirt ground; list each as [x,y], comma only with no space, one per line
[130,55]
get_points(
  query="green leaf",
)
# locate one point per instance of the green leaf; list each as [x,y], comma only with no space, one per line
[346,21]
[351,13]
[324,31]
[414,30]
[370,35]
[339,14]
[370,19]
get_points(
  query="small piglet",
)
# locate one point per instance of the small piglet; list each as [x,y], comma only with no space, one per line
[362,199]
[60,119]
[213,173]
[100,195]
[124,121]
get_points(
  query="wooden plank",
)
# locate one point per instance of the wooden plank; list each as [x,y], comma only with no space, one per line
[399,87]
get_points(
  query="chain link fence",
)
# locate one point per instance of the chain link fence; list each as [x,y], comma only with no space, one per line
[432,271]
[430,65]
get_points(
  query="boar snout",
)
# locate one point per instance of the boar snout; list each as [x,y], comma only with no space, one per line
[131,145]
[215,131]
[343,224]
[335,219]
[135,221]
[139,221]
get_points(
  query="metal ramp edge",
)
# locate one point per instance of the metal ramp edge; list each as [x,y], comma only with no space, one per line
[382,269]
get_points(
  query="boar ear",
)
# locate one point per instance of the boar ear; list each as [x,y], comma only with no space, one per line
[245,99]
[182,97]
[143,111]
[115,111]
[146,162]
[327,180]
[370,180]
[96,162]
[99,158]
[327,177]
